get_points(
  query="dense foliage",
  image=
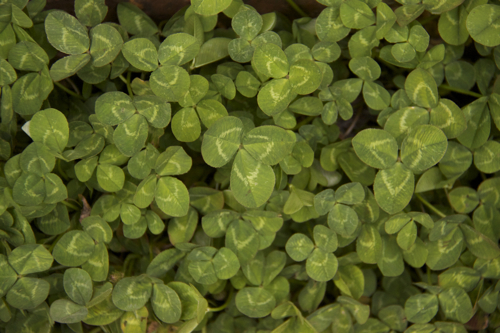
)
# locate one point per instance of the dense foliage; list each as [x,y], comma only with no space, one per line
[228,171]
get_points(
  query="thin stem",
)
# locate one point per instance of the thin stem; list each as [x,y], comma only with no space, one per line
[226,303]
[353,124]
[127,82]
[129,87]
[68,91]
[430,206]
[70,205]
[73,85]
[297,8]
[56,268]
[460,91]
[55,242]
[304,122]
[429,278]
[428,19]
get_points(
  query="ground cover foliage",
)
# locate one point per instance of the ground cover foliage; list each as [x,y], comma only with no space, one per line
[227,171]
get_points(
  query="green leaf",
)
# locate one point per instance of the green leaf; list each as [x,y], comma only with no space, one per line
[28,293]
[66,33]
[30,258]
[375,147]
[270,60]
[132,293]
[50,127]
[393,188]
[321,266]
[247,24]
[375,96]
[172,196]
[173,161]
[343,220]
[221,141]
[268,144]
[210,111]
[385,19]
[213,50]
[305,76]
[74,248]
[424,146]
[37,159]
[456,304]
[487,157]
[7,73]
[255,302]
[448,117]
[365,68]
[356,14]
[369,244]
[103,313]
[421,88]
[480,245]
[67,66]
[154,109]
[444,252]
[210,7]
[131,135]
[247,84]
[452,26]
[113,108]
[325,238]
[275,96]
[29,190]
[170,82]
[243,240]
[78,285]
[28,56]
[350,194]
[27,94]
[252,182]
[186,125]
[181,229]
[166,303]
[90,13]
[110,177]
[226,264]
[97,228]
[65,311]
[350,280]
[299,247]
[329,26]
[135,21]
[7,275]
[484,31]
[141,53]
[178,49]
[421,308]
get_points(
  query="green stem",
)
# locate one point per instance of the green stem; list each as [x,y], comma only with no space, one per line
[460,91]
[70,205]
[226,303]
[304,122]
[429,278]
[127,82]
[297,8]
[56,268]
[428,19]
[430,206]
[70,92]
[55,242]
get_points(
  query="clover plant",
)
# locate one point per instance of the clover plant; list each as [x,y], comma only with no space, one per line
[231,171]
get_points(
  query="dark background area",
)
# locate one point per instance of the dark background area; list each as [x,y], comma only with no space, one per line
[160,10]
